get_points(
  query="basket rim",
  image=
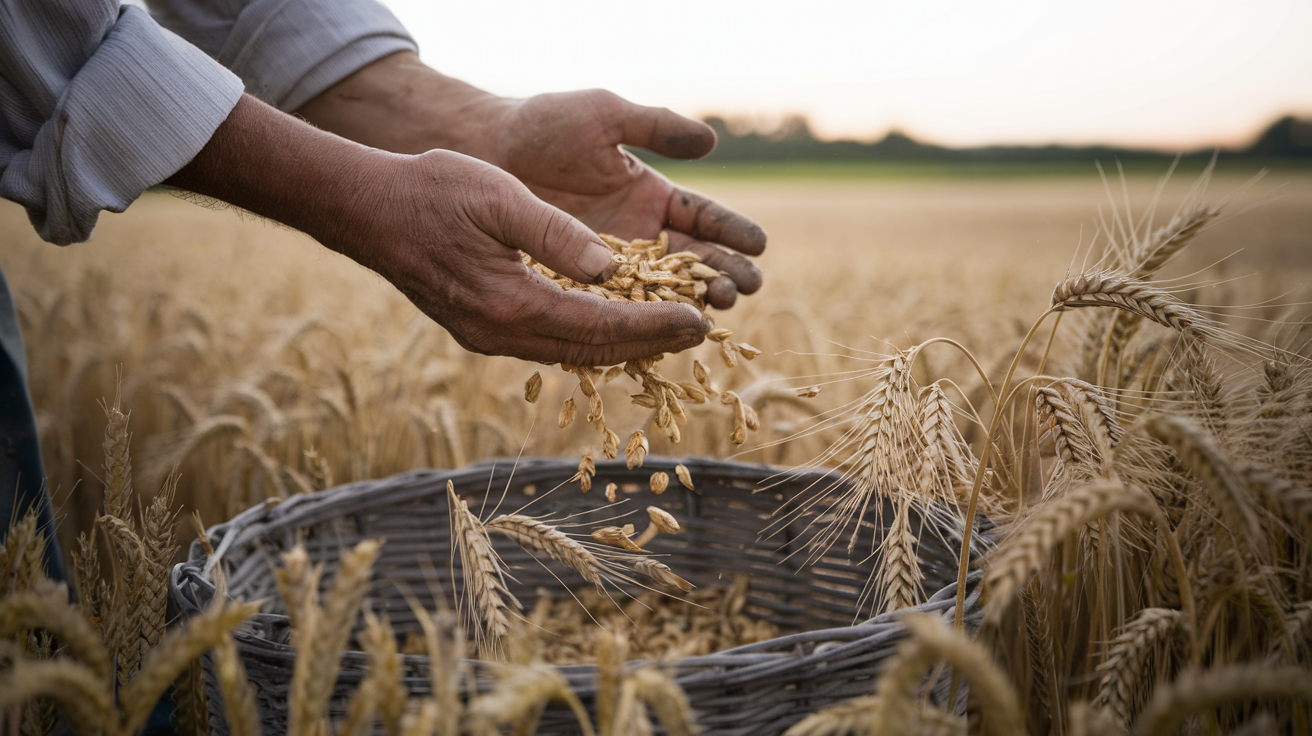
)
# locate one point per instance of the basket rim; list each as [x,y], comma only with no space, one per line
[190,588]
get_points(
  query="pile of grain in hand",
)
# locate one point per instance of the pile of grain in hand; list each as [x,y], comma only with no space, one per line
[649,272]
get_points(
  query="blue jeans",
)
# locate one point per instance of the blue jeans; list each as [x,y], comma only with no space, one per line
[22,477]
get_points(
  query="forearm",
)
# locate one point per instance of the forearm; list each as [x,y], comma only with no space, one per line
[278,167]
[422,108]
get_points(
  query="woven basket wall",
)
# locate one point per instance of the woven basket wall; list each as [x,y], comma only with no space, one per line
[760,689]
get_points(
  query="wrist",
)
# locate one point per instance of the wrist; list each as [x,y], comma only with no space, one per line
[399,104]
[276,166]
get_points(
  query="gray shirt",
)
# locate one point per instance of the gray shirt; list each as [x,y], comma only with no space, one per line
[100,101]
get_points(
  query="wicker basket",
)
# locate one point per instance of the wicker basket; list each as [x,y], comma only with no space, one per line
[757,689]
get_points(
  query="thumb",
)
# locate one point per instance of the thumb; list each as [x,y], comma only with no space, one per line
[556,240]
[666,132]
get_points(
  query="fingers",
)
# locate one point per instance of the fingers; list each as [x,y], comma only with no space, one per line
[664,131]
[541,322]
[708,220]
[555,239]
[587,319]
[745,276]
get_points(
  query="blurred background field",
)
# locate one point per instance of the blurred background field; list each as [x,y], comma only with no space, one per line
[263,365]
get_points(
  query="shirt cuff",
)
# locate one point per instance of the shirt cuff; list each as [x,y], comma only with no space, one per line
[289,51]
[139,109]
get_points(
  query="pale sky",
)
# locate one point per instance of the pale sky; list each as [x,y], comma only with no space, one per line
[1146,72]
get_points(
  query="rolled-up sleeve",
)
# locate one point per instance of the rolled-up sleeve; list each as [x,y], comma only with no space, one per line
[98,103]
[287,51]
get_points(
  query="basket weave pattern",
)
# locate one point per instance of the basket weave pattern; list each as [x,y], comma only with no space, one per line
[761,688]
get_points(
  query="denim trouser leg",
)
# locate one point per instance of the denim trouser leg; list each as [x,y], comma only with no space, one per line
[22,477]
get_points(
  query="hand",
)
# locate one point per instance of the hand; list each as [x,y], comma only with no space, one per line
[447,230]
[566,148]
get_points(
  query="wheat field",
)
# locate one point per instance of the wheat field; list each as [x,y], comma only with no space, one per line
[1162,427]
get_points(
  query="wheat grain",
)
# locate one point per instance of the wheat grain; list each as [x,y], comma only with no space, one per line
[659,482]
[661,573]
[533,388]
[568,411]
[636,450]
[685,477]
[614,536]
[664,521]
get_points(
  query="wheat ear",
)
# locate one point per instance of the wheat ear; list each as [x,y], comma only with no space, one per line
[1201,456]
[1128,666]
[932,640]
[489,601]
[379,642]
[75,689]
[175,652]
[536,535]
[118,460]
[658,690]
[159,544]
[1027,548]
[612,650]
[1198,690]
[51,612]
[446,649]
[1131,295]
[1086,720]
[191,711]
[519,693]
[899,577]
[319,659]
[238,696]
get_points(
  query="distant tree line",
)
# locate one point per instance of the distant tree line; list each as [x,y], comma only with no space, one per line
[1287,139]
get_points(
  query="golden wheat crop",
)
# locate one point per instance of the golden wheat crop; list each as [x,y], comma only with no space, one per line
[1140,449]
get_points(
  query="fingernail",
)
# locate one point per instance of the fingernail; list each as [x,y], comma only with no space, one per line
[599,260]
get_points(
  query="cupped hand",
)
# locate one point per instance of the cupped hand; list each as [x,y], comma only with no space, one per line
[566,148]
[447,230]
